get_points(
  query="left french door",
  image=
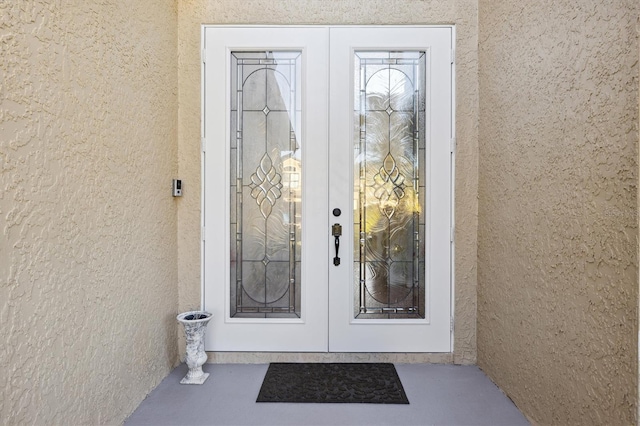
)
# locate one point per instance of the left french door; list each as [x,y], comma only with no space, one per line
[265,154]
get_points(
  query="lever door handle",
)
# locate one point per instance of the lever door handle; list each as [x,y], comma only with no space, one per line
[336,231]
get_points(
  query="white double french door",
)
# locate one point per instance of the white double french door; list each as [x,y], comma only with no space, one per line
[327,188]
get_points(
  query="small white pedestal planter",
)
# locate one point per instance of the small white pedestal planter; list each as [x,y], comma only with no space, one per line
[195,324]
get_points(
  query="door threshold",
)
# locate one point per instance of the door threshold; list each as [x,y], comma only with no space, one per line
[267,357]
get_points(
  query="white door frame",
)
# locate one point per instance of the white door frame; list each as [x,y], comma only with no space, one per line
[222,250]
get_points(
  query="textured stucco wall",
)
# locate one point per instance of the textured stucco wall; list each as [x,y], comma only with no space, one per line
[88,147]
[463,13]
[558,228]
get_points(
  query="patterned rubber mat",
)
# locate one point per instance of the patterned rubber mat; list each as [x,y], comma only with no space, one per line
[374,383]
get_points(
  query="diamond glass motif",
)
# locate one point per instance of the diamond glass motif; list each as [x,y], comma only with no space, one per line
[266,185]
[388,186]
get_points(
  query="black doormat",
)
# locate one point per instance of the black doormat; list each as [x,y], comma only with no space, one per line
[334,382]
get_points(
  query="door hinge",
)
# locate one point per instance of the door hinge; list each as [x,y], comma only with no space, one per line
[453,233]
[453,144]
[203,144]
[202,233]
[453,56]
[452,324]
[203,56]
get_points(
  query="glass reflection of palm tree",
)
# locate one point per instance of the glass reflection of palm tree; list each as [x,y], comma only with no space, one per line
[391,206]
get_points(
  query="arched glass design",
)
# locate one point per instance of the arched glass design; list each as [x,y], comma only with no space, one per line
[266,183]
[389,184]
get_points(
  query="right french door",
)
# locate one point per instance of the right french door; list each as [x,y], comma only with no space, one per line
[390,177]
[328,188]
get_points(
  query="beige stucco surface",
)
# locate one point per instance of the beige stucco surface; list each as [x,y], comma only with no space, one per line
[88,147]
[463,13]
[558,225]
[100,108]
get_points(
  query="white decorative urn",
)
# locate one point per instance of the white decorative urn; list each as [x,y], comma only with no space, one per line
[195,324]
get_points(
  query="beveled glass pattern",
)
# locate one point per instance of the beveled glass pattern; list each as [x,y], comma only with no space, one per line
[389,184]
[266,183]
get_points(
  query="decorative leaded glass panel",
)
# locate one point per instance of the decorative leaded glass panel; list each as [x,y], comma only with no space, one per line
[266,183]
[389,184]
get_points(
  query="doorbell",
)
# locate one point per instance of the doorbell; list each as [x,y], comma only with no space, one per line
[177,188]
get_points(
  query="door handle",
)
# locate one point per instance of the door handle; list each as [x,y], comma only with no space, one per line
[336,231]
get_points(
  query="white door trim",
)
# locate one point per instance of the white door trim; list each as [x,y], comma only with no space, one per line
[207,139]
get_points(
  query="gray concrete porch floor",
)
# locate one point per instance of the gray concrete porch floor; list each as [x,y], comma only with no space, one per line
[438,395]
